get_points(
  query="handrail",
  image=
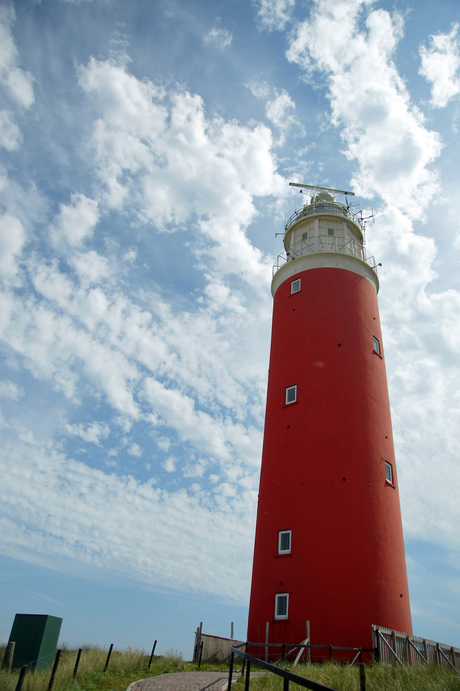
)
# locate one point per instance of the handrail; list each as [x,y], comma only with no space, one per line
[368,259]
[284,673]
[319,207]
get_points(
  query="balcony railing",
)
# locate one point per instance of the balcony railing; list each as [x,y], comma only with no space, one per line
[317,245]
[322,208]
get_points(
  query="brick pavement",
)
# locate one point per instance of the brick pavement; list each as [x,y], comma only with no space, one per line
[184,681]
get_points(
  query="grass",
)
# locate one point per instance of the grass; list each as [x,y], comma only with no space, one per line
[124,668]
[131,665]
[379,677]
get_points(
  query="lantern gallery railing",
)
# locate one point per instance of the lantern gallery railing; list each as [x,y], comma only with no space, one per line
[321,208]
[320,245]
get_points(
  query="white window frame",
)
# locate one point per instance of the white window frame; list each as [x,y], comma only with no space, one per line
[376,345]
[389,472]
[295,286]
[278,598]
[287,396]
[280,537]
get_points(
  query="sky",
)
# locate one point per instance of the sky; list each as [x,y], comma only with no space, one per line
[146,153]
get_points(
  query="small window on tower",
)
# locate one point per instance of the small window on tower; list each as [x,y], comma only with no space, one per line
[281,605]
[295,286]
[291,394]
[376,345]
[305,237]
[389,472]
[284,541]
[330,231]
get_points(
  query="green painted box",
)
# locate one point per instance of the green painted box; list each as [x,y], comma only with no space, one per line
[35,637]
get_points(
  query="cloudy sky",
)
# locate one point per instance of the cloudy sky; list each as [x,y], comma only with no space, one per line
[146,151]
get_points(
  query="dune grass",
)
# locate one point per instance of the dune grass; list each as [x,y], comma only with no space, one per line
[124,668]
[379,677]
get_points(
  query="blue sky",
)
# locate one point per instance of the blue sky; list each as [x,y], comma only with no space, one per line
[146,151]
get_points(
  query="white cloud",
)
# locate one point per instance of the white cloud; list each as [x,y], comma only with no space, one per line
[145,142]
[12,241]
[94,432]
[112,522]
[381,129]
[440,65]
[10,134]
[90,266]
[280,111]
[17,82]
[170,464]
[279,108]
[76,221]
[260,89]
[135,450]
[217,36]
[11,391]
[274,14]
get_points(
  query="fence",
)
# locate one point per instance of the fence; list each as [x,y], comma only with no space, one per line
[8,667]
[394,646]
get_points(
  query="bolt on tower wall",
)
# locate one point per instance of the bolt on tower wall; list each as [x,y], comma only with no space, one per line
[329,545]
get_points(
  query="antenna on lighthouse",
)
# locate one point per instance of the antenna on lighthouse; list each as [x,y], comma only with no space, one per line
[315,188]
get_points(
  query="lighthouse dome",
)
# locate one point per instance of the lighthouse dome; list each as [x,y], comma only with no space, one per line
[322,197]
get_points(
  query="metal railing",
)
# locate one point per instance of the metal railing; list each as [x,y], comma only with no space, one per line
[286,674]
[321,208]
[321,246]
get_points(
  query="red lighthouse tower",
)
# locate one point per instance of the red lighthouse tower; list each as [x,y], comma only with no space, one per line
[329,545]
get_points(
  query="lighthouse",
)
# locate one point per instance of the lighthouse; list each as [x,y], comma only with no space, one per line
[329,553]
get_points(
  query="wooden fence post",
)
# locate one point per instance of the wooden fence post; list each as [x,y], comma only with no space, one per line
[394,641]
[10,656]
[267,626]
[378,649]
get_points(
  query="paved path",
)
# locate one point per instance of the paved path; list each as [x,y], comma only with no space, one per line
[186,681]
[183,681]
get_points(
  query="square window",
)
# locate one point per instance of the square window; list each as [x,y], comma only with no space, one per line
[295,286]
[376,345]
[291,394]
[284,542]
[389,472]
[330,231]
[281,605]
